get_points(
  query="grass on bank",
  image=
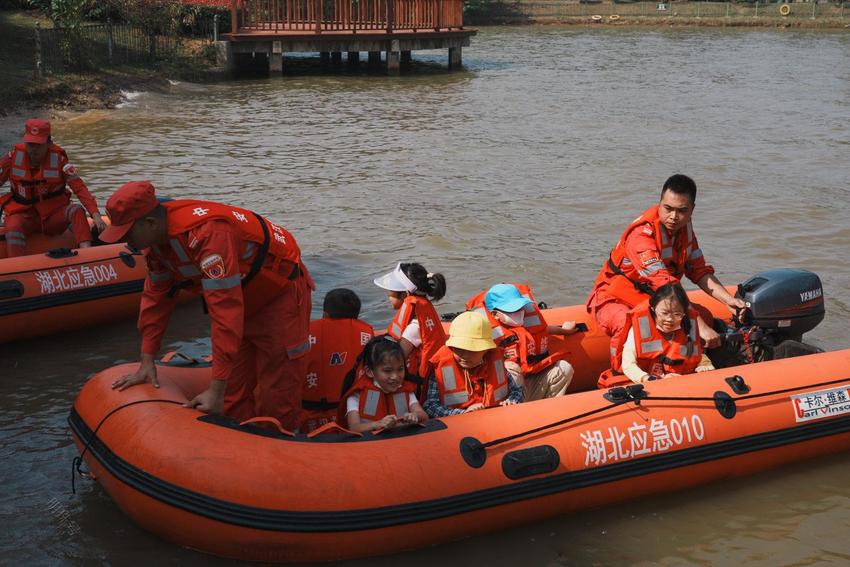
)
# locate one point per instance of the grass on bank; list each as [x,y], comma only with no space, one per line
[96,88]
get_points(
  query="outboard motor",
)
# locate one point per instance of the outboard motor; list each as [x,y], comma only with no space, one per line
[782,304]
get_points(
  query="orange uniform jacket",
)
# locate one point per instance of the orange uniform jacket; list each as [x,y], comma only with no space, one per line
[335,346]
[212,248]
[528,345]
[646,256]
[44,188]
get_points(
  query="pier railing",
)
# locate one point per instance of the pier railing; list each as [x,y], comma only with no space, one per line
[320,16]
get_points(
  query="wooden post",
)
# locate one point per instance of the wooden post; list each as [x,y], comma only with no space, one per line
[374,58]
[405,57]
[455,57]
[336,58]
[354,58]
[234,17]
[325,56]
[276,57]
[393,58]
[215,27]
[318,5]
[38,63]
[109,42]
[390,15]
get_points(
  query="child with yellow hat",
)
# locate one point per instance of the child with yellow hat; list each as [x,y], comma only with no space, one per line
[469,371]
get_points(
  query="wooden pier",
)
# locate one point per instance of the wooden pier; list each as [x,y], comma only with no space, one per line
[394,28]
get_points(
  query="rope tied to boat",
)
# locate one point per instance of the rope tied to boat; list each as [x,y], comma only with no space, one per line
[77,463]
[474,452]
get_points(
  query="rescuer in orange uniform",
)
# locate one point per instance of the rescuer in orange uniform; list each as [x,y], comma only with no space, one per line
[255,286]
[39,175]
[659,247]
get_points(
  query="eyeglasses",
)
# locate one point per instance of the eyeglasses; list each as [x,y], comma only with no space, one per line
[666,315]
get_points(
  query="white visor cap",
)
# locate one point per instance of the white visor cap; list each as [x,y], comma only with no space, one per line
[395,281]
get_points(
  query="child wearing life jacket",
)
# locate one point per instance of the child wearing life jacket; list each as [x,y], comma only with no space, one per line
[659,340]
[337,339]
[377,396]
[520,329]
[469,371]
[416,325]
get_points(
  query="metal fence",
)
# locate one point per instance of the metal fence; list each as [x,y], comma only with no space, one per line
[107,44]
[613,11]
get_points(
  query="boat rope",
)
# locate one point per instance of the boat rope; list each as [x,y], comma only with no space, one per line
[636,394]
[77,463]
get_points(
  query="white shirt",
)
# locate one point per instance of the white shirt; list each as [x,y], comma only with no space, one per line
[412,333]
[352,403]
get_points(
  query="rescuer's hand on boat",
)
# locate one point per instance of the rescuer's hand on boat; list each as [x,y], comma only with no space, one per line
[474,407]
[210,400]
[98,223]
[145,373]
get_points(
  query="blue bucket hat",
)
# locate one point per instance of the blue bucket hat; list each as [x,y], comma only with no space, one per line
[505,298]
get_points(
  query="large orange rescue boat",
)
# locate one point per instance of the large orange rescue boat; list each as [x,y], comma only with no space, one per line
[247,492]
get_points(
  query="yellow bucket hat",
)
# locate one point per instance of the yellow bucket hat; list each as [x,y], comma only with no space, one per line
[471,331]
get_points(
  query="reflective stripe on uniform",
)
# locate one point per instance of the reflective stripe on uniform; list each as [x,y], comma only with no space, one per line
[400,403]
[223,283]
[498,332]
[690,233]
[402,313]
[19,158]
[650,346]
[665,240]
[695,253]
[449,379]
[500,371]
[178,249]
[249,250]
[501,393]
[298,350]
[189,270]
[531,321]
[667,252]
[395,330]
[455,399]
[651,269]
[18,172]
[71,210]
[50,173]
[370,407]
[54,160]
[159,277]
[692,332]
[686,350]
[643,324]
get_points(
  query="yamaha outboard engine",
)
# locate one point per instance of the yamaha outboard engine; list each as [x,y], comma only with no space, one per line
[782,304]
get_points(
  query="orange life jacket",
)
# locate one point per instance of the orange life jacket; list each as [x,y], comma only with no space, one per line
[268,244]
[375,404]
[627,283]
[335,346]
[47,183]
[460,388]
[528,345]
[430,330]
[655,354]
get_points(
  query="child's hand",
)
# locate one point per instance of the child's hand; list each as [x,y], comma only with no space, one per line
[671,375]
[508,402]
[388,422]
[474,407]
[409,417]
[569,327]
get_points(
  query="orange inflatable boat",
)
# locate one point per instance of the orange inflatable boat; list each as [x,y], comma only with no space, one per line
[248,492]
[57,288]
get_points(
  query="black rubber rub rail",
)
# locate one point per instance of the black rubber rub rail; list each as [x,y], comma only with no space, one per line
[374,518]
[70,297]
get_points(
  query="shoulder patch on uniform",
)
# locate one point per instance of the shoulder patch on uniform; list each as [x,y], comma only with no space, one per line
[213,266]
[69,169]
[648,230]
[648,257]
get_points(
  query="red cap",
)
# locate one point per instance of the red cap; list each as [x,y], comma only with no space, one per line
[131,202]
[36,131]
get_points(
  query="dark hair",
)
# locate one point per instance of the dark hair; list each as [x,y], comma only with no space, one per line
[374,353]
[681,185]
[341,303]
[433,285]
[672,291]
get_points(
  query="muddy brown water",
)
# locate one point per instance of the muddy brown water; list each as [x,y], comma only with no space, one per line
[528,165]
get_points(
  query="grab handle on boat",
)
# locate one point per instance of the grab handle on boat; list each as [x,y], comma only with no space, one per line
[61,253]
[738,385]
[332,427]
[528,462]
[622,394]
[264,420]
[473,452]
